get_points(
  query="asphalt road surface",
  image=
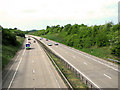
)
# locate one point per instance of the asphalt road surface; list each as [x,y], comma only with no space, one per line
[32,69]
[101,73]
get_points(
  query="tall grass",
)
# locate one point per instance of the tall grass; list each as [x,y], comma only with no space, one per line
[8,51]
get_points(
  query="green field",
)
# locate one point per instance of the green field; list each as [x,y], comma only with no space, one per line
[8,51]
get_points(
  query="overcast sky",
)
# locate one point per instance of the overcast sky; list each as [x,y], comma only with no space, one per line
[37,14]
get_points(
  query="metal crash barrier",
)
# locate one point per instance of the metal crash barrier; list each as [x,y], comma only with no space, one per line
[78,74]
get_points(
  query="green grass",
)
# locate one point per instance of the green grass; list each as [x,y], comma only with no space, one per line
[72,78]
[101,52]
[9,51]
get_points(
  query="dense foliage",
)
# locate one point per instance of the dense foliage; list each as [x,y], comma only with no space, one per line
[83,36]
[9,36]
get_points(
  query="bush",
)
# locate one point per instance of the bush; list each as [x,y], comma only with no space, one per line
[8,37]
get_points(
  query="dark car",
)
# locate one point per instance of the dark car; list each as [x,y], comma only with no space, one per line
[34,41]
[49,44]
[29,42]
[46,39]
[56,43]
[29,39]
[41,38]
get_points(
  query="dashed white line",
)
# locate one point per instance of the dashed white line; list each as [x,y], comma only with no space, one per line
[77,70]
[33,71]
[107,76]
[33,61]
[74,57]
[52,73]
[85,63]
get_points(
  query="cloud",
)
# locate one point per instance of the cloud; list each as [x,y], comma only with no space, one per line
[50,12]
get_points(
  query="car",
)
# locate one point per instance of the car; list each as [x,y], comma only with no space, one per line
[41,38]
[49,44]
[34,41]
[55,43]
[29,42]
[46,39]
[29,39]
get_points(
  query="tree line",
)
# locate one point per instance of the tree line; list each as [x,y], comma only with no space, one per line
[9,36]
[83,36]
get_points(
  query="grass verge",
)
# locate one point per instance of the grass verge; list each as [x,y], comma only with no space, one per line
[8,51]
[101,52]
[72,78]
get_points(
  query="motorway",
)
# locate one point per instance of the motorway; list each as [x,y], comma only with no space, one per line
[32,69]
[101,73]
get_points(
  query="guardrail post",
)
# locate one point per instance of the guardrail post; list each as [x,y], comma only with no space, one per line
[79,75]
[81,78]
[86,82]
[76,72]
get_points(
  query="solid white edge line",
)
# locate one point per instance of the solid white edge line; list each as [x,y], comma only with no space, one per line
[16,70]
[93,59]
[107,76]
[52,72]
[55,77]
[11,66]
[33,71]
[77,70]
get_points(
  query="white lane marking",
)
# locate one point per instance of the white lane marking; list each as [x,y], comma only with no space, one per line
[77,70]
[107,76]
[74,57]
[94,59]
[33,71]
[11,67]
[85,63]
[52,71]
[89,57]
[33,61]
[16,70]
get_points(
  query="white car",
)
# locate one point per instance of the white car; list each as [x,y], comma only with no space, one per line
[49,44]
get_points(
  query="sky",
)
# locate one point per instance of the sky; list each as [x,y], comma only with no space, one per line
[37,14]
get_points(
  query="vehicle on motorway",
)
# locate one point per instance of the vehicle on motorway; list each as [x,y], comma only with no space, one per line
[29,39]
[55,43]
[41,38]
[49,44]
[29,42]
[34,41]
[27,46]
[46,39]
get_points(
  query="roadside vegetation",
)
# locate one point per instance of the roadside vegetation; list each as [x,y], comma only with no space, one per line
[12,40]
[71,77]
[100,40]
